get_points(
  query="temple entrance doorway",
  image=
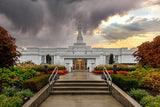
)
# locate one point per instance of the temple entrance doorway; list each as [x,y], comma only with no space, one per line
[80,64]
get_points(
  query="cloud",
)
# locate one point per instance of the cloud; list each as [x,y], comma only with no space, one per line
[50,21]
[26,16]
[134,27]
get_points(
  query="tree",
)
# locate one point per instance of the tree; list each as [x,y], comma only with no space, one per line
[8,53]
[111,61]
[148,53]
[48,59]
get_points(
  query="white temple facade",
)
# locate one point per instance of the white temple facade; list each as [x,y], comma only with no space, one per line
[78,57]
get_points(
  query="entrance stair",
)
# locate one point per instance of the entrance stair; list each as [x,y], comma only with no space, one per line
[75,87]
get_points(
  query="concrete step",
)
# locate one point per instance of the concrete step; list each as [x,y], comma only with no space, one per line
[81,81]
[80,84]
[80,88]
[83,92]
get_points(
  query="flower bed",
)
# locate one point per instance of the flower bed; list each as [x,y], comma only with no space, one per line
[11,97]
[111,72]
[149,77]
[15,76]
[59,72]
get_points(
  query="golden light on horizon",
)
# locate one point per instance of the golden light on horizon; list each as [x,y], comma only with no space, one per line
[130,42]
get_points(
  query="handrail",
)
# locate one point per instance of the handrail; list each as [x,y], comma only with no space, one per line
[108,77]
[52,77]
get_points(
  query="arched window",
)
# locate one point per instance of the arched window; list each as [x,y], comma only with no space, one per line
[48,59]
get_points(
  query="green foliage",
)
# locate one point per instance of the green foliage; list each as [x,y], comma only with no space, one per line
[50,68]
[149,77]
[125,82]
[9,91]
[36,83]
[2,97]
[138,94]
[119,68]
[11,102]
[25,93]
[146,100]
[14,76]
[111,60]
[99,68]
[153,104]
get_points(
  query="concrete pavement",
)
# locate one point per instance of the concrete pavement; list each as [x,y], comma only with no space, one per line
[80,100]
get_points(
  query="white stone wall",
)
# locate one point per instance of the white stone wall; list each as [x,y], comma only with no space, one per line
[128,59]
[34,58]
[91,64]
[68,64]
[58,55]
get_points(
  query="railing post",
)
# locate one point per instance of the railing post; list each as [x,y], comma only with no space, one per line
[114,69]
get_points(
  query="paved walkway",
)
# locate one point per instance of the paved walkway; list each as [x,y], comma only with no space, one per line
[80,100]
[80,75]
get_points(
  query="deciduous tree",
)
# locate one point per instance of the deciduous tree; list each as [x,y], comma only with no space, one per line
[111,61]
[148,53]
[8,53]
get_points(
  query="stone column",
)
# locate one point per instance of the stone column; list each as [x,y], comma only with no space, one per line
[42,59]
[52,59]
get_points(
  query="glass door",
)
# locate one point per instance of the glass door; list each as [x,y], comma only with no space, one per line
[79,64]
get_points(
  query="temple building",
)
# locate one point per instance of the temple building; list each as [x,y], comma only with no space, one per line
[78,57]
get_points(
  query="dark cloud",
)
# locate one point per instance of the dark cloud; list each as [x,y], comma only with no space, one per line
[26,15]
[60,17]
[123,31]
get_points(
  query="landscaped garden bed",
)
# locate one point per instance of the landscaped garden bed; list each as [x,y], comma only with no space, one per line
[137,81]
[121,69]
[17,84]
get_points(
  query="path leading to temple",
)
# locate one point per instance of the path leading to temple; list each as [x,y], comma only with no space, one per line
[80,89]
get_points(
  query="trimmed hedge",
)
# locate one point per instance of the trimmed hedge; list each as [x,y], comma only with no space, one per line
[121,68]
[50,68]
[124,82]
[35,84]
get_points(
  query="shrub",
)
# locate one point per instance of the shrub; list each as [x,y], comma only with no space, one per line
[153,104]
[25,93]
[14,76]
[124,82]
[111,60]
[11,102]
[148,53]
[138,94]
[146,100]
[36,83]
[2,97]
[119,68]
[9,91]
[149,77]
[50,68]
[8,50]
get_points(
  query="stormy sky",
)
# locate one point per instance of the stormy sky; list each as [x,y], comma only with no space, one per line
[106,23]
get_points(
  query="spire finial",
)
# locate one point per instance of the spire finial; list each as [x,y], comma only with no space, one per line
[80,19]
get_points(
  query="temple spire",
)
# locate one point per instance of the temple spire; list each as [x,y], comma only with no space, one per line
[79,38]
[80,19]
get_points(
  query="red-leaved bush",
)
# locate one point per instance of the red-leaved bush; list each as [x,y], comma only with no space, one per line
[8,53]
[148,53]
